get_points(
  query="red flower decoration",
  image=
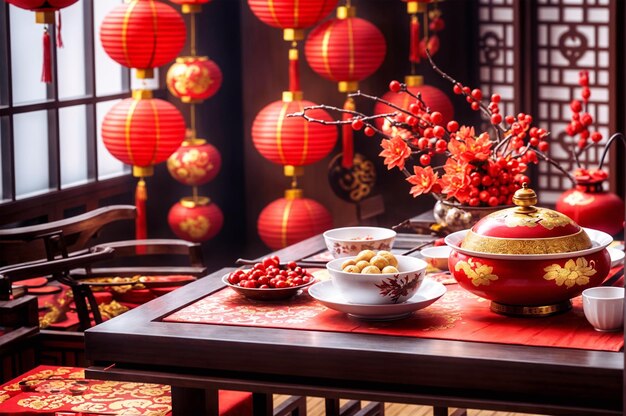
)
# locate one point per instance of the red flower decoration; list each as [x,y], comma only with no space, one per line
[395,151]
[424,181]
[466,147]
[456,186]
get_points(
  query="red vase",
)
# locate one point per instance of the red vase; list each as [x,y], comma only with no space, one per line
[592,207]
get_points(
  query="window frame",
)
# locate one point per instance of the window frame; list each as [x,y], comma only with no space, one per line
[55,201]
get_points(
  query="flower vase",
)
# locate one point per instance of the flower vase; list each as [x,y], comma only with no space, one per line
[455,217]
[589,205]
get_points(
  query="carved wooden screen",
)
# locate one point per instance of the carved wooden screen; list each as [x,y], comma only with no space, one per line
[562,37]
[496,55]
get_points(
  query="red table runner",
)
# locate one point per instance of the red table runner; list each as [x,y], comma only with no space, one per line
[65,391]
[458,315]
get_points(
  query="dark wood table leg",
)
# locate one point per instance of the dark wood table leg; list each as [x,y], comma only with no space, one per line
[262,404]
[188,401]
[443,411]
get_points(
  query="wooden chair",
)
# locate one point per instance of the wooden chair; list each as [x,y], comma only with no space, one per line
[23,244]
[46,245]
[142,257]
[63,249]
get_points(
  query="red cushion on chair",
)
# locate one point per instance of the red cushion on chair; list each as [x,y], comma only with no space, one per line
[135,296]
[103,297]
[65,389]
[235,403]
[33,282]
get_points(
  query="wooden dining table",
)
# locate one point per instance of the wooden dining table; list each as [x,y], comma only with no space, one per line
[199,359]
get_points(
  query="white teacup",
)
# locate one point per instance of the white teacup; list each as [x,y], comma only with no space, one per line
[604,308]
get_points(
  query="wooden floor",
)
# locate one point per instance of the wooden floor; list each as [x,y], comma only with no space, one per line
[315,407]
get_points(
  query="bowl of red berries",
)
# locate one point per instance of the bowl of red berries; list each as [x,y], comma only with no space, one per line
[269,279]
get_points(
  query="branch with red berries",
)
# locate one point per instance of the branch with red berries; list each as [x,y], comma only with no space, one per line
[475,168]
[581,120]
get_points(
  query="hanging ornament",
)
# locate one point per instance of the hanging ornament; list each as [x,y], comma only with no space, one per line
[355,183]
[44,9]
[292,140]
[44,14]
[291,15]
[193,78]
[434,98]
[292,219]
[345,50]
[195,219]
[143,34]
[190,6]
[195,163]
[142,131]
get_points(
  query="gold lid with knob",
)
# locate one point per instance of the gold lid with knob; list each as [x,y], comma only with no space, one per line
[526,229]
[525,199]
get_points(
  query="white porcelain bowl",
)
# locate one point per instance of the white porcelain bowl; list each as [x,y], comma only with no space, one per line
[379,289]
[350,241]
[437,256]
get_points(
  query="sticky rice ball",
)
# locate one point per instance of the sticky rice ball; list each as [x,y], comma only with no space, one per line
[364,255]
[371,270]
[379,261]
[390,269]
[347,263]
[362,264]
[352,269]
[389,256]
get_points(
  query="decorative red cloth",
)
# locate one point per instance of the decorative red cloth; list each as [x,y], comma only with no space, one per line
[65,389]
[53,390]
[458,315]
[103,295]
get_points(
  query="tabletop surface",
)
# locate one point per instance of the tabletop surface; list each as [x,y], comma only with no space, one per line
[536,377]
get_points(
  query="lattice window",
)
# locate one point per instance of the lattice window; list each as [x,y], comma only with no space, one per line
[496,57]
[572,35]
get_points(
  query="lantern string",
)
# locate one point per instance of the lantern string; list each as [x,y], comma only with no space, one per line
[294,68]
[347,134]
[194,191]
[59,38]
[192,116]
[414,55]
[193,34]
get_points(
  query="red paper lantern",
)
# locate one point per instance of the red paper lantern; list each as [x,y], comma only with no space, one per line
[44,13]
[142,131]
[434,98]
[194,78]
[195,219]
[190,6]
[143,34]
[291,219]
[44,8]
[291,15]
[346,49]
[292,140]
[195,163]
